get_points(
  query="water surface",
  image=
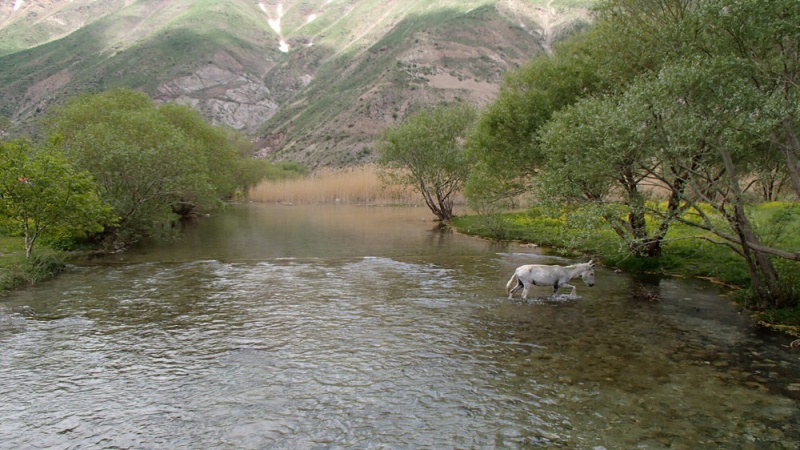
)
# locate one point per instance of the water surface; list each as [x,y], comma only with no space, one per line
[355,327]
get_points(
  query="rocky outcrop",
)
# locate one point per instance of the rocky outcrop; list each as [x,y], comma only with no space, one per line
[234,99]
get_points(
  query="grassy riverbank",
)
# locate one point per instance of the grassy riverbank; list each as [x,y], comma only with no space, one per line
[16,270]
[685,253]
[682,256]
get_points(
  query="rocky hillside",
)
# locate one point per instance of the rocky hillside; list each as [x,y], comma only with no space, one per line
[311,80]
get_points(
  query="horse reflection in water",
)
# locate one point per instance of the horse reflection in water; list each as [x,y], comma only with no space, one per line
[543,275]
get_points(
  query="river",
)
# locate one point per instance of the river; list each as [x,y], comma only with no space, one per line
[293,327]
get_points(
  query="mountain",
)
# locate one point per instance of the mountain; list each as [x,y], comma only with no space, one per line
[311,80]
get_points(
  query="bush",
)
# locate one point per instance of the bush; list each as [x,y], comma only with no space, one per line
[40,266]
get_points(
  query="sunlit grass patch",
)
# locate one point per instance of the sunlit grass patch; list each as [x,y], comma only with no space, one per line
[541,227]
[687,250]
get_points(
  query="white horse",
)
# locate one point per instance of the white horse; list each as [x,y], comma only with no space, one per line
[543,275]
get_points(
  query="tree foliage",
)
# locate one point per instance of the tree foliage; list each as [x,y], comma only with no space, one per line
[426,151]
[505,143]
[43,195]
[600,153]
[698,98]
[150,163]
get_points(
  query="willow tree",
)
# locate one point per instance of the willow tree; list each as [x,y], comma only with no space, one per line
[505,143]
[711,106]
[603,153]
[426,152]
[764,39]
[151,163]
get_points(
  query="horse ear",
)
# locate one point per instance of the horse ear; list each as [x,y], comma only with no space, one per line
[592,261]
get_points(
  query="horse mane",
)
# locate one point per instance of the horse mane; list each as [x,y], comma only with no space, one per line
[591,263]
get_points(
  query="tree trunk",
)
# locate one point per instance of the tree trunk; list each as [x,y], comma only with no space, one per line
[790,152]
[642,245]
[440,207]
[764,277]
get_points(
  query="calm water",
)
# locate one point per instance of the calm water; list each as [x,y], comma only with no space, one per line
[354,327]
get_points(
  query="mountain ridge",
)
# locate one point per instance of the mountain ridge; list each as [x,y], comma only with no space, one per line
[310,81]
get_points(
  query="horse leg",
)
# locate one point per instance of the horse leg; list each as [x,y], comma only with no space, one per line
[572,292]
[511,291]
[516,288]
[525,290]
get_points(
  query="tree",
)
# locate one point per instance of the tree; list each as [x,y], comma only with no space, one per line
[764,39]
[505,143]
[426,151]
[44,196]
[710,103]
[214,143]
[601,153]
[149,162]
[628,39]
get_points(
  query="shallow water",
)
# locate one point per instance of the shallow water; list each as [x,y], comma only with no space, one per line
[355,327]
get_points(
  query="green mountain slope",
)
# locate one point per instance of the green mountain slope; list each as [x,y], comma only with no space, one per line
[311,80]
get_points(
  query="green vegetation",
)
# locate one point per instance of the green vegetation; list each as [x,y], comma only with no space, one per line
[426,152]
[16,272]
[694,103]
[45,197]
[151,163]
[144,164]
[686,251]
[115,168]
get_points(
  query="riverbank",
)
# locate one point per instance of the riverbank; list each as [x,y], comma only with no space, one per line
[684,255]
[359,185]
[17,271]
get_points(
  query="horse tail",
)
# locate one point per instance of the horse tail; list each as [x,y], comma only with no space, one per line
[512,283]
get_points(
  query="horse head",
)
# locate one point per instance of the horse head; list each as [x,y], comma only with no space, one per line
[588,275]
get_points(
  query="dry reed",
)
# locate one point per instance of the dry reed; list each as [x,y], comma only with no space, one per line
[353,185]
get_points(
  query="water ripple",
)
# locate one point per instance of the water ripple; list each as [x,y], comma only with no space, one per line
[357,352]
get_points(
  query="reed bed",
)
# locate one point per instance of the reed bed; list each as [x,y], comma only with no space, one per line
[353,185]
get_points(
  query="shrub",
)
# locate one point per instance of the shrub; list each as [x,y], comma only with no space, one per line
[42,265]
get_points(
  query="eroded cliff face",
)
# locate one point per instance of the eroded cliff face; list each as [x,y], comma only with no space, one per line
[237,100]
[313,83]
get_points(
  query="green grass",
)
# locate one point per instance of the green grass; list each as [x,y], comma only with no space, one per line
[16,270]
[685,253]
[10,250]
